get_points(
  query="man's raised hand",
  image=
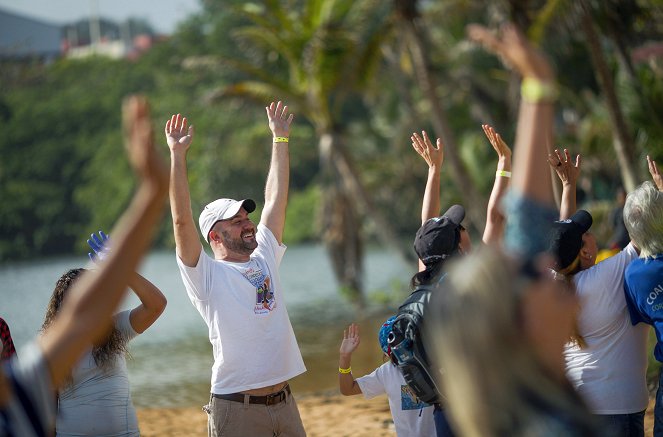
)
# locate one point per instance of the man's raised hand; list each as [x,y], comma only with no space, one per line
[178,136]
[279,120]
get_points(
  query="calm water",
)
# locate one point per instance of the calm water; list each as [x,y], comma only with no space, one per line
[171,362]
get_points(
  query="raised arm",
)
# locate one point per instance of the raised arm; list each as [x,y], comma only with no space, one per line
[531,210]
[535,116]
[567,172]
[494,230]
[86,315]
[434,157]
[153,302]
[179,138]
[278,178]
[655,174]
[346,382]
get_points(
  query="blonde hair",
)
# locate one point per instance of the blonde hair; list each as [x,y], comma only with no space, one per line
[491,377]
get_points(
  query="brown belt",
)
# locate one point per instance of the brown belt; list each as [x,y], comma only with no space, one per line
[271,399]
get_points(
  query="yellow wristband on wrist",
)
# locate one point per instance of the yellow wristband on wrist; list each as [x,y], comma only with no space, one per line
[535,91]
[281,139]
[503,173]
[344,371]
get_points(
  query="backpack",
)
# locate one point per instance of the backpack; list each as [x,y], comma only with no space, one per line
[407,346]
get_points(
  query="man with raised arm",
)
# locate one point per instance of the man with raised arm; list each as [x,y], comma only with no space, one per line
[238,292]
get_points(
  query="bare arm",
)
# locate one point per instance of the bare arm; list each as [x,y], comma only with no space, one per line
[152,303]
[535,115]
[346,381]
[434,157]
[494,217]
[278,178]
[567,172]
[179,139]
[86,316]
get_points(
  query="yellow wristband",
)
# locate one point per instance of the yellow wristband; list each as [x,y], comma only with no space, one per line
[344,371]
[535,91]
[280,139]
[503,173]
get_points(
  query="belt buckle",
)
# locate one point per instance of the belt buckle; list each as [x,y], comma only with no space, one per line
[275,398]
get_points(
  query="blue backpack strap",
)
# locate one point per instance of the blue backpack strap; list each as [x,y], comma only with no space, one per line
[26,403]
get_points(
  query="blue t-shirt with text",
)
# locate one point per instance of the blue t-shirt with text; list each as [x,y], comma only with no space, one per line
[643,286]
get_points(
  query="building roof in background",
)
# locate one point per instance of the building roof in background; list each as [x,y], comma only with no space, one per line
[22,36]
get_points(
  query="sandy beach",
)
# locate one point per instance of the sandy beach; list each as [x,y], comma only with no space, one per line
[323,414]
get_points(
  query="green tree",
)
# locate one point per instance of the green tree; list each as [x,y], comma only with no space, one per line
[320,55]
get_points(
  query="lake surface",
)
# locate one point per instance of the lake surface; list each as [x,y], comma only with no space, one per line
[171,362]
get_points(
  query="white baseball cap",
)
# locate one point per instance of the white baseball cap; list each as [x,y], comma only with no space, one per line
[221,209]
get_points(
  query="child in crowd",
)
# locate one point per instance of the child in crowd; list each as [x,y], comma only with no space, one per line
[412,417]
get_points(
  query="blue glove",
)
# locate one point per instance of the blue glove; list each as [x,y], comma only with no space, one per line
[100,246]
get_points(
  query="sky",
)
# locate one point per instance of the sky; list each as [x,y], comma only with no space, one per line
[163,15]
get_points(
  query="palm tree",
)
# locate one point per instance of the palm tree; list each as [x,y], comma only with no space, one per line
[417,40]
[329,50]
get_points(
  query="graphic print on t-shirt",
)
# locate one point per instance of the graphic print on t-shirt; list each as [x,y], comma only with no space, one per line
[264,293]
[410,401]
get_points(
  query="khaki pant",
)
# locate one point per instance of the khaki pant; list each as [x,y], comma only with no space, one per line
[230,418]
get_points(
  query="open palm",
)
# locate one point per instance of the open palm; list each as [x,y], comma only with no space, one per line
[178,136]
[350,340]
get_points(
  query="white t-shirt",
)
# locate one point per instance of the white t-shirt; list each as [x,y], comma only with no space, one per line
[610,373]
[98,400]
[412,417]
[244,308]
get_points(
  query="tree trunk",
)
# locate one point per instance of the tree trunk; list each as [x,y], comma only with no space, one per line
[415,36]
[331,147]
[621,136]
[341,227]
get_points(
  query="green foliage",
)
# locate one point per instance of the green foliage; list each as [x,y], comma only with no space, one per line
[302,224]
[341,66]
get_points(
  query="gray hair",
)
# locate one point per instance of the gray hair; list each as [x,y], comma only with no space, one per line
[643,217]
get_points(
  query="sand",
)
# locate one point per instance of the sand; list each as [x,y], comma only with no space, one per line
[323,414]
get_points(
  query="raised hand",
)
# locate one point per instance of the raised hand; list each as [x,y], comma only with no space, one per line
[279,120]
[100,246]
[178,136]
[566,169]
[350,340]
[514,49]
[655,175]
[139,141]
[433,155]
[502,149]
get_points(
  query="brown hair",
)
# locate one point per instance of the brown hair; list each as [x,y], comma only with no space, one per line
[115,343]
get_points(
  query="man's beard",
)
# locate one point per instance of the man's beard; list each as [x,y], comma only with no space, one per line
[238,245]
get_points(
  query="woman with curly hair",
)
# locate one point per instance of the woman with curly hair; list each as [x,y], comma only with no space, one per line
[27,386]
[95,399]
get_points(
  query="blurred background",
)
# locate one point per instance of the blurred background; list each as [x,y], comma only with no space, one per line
[360,75]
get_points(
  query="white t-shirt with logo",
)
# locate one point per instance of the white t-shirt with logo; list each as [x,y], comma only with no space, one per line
[610,373]
[243,306]
[412,417]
